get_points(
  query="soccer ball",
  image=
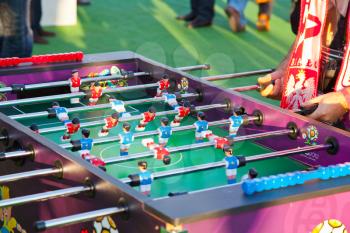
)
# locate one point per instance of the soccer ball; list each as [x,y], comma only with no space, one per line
[330,226]
[105,225]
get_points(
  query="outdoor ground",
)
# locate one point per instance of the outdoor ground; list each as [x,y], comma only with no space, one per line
[149,27]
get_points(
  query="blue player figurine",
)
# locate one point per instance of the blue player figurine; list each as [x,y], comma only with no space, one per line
[60,112]
[165,132]
[86,143]
[232,163]
[201,127]
[235,122]
[145,177]
[126,138]
[84,146]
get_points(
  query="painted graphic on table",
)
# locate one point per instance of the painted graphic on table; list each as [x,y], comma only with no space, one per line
[310,135]
[9,224]
[330,226]
[103,225]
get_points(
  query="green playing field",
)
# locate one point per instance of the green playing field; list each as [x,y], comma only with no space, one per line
[149,28]
[179,183]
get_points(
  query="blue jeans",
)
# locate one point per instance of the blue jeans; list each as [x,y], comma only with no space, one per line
[239,5]
[16,39]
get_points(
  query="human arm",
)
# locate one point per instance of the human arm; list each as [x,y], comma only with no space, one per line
[331,106]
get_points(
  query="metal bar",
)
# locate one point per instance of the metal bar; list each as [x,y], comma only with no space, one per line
[14,154]
[196,146]
[182,170]
[217,164]
[237,75]
[129,88]
[44,196]
[77,218]
[98,107]
[42,99]
[245,88]
[30,174]
[147,133]
[287,152]
[151,153]
[84,80]
[264,134]
[73,95]
[131,118]
[195,67]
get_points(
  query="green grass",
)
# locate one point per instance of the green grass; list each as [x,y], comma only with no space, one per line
[149,27]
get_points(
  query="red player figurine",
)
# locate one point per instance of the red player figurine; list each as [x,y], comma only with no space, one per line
[71,128]
[147,118]
[160,152]
[74,83]
[182,112]
[110,122]
[163,85]
[96,93]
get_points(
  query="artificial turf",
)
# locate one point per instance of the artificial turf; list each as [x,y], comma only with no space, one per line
[149,27]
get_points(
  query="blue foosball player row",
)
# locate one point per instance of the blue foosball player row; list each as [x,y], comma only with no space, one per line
[257,185]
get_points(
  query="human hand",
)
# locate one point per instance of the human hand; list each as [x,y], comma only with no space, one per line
[331,107]
[271,85]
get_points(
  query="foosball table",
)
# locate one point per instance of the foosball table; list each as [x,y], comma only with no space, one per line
[119,143]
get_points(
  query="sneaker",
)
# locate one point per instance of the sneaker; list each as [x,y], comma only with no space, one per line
[197,23]
[39,39]
[263,23]
[46,33]
[234,19]
[189,17]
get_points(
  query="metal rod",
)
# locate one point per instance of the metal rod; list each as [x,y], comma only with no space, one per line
[218,164]
[264,134]
[146,133]
[195,67]
[42,99]
[15,154]
[77,218]
[98,107]
[237,75]
[94,79]
[196,146]
[44,196]
[245,88]
[151,153]
[73,95]
[30,174]
[287,152]
[131,118]
[182,170]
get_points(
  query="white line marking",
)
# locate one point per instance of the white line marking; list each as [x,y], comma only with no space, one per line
[18,109]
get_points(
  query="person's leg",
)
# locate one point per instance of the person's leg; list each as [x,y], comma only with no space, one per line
[192,15]
[35,18]
[35,15]
[205,14]
[235,13]
[17,35]
[263,23]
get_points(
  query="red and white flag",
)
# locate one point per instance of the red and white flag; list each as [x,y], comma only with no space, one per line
[300,84]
